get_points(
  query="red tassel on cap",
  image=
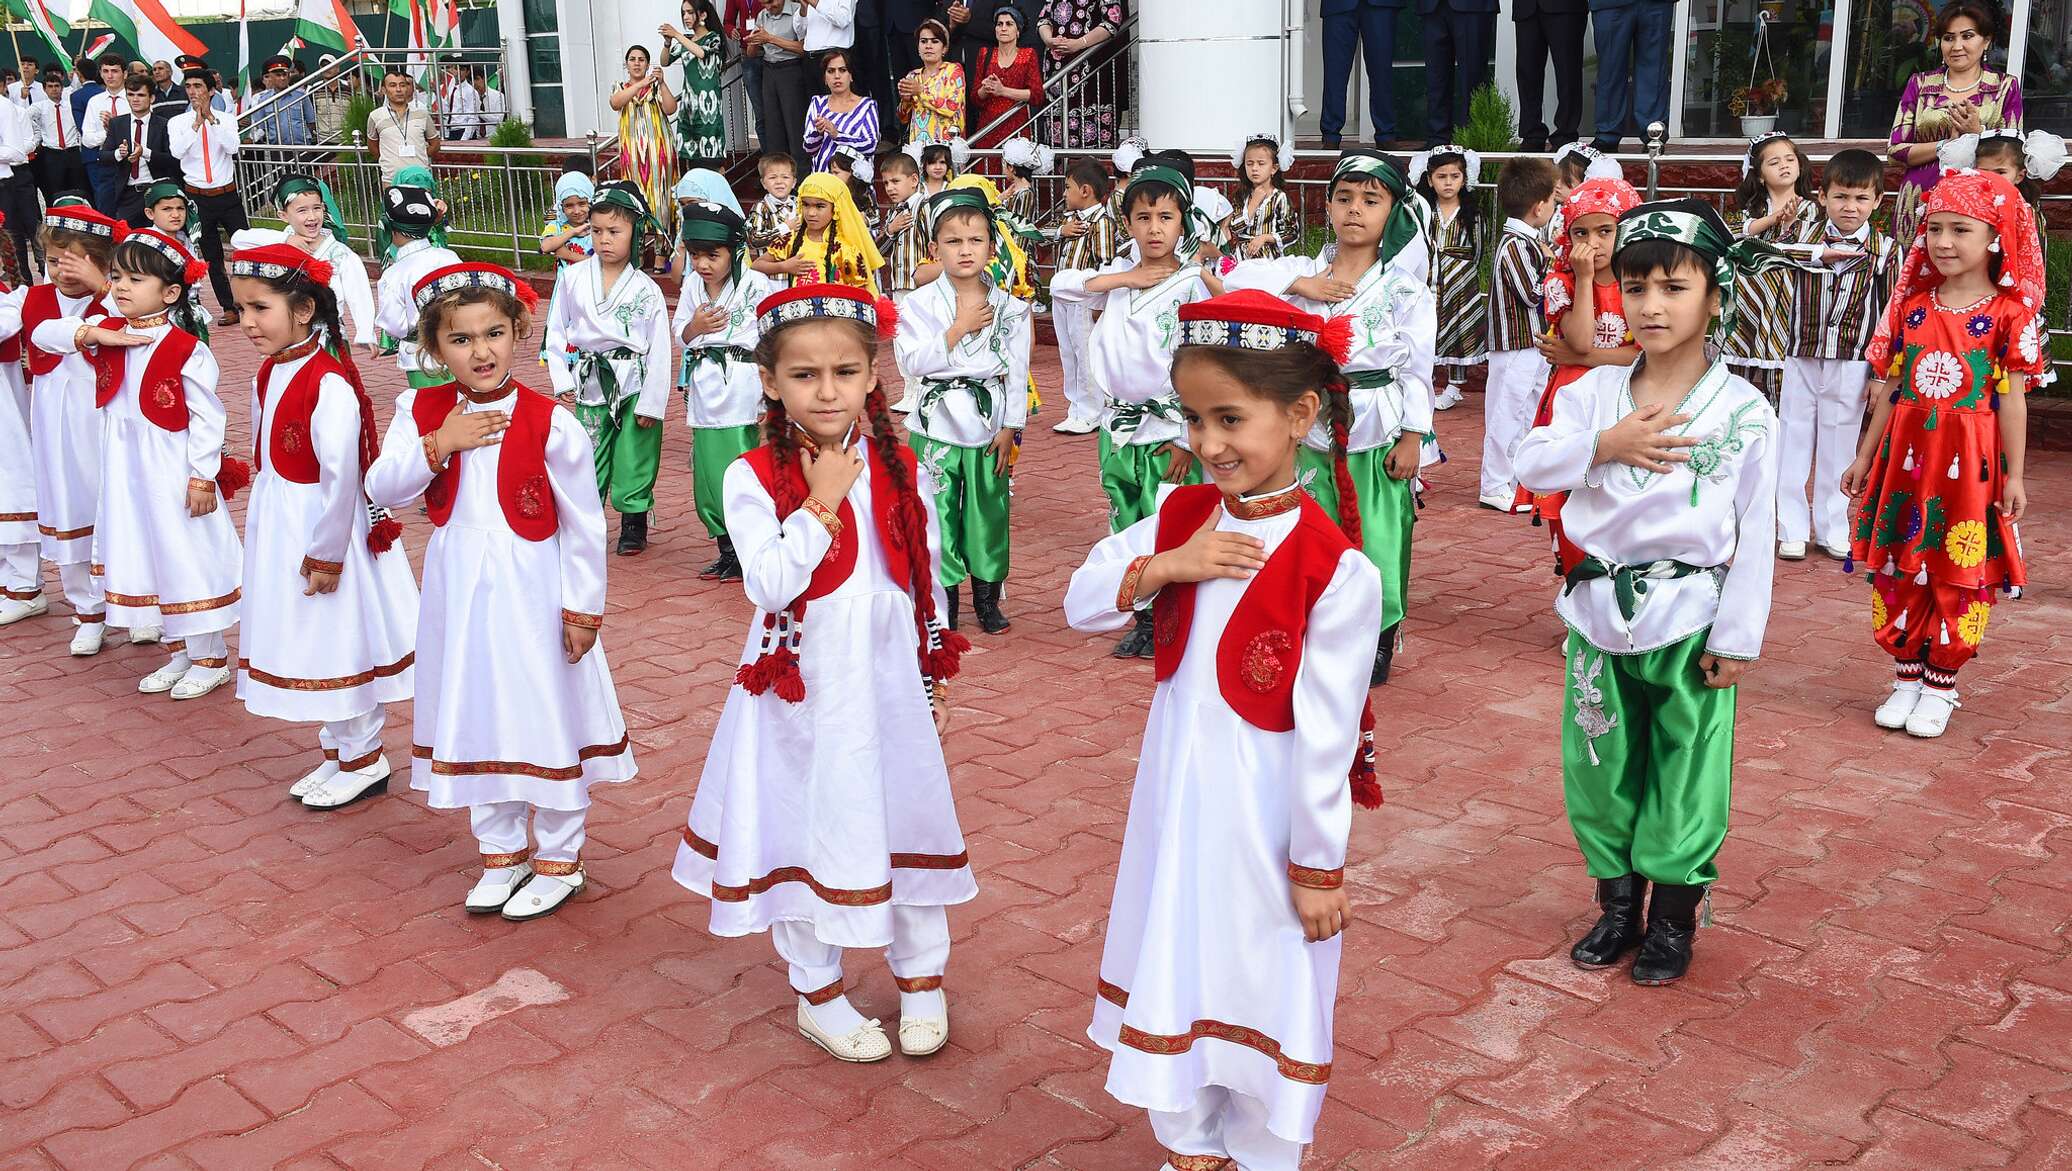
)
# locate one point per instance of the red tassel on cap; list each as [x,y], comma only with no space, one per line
[233,477]
[1336,338]
[888,319]
[194,272]
[382,537]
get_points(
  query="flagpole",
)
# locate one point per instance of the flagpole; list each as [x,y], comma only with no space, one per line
[16,40]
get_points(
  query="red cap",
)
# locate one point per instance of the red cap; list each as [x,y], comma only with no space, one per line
[278,260]
[175,250]
[1253,320]
[837,302]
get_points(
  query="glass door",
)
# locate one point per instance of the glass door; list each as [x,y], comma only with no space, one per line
[1890,41]
[1753,58]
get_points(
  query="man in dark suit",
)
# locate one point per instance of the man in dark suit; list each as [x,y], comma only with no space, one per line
[1370,27]
[1458,38]
[1632,66]
[138,144]
[1549,28]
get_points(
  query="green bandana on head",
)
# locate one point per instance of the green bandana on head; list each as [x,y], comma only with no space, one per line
[627,198]
[1195,226]
[1409,219]
[1697,225]
[294,185]
[705,222]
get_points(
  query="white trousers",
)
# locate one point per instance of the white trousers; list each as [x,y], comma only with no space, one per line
[1509,398]
[919,951]
[82,592]
[203,650]
[1074,323]
[1819,419]
[500,828]
[20,571]
[1229,1124]
[353,743]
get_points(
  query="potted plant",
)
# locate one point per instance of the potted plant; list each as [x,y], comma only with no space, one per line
[1756,105]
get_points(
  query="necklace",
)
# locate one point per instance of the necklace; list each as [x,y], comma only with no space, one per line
[152,322]
[301,349]
[1950,85]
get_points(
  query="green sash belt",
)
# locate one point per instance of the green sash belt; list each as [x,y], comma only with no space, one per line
[934,389]
[719,356]
[598,364]
[1630,582]
[1124,418]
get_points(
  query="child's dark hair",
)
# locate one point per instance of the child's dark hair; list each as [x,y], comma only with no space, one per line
[1278,179]
[579,163]
[1283,376]
[1469,212]
[897,162]
[433,319]
[938,152]
[1853,168]
[135,85]
[1644,258]
[143,260]
[909,515]
[1088,173]
[608,211]
[299,289]
[1998,145]
[1522,184]
[1753,196]
[1573,169]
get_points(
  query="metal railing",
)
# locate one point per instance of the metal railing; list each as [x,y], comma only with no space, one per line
[1084,97]
[497,200]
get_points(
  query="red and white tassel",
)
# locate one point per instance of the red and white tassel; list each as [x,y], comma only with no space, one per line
[233,477]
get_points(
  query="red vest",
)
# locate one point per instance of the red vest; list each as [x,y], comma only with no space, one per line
[840,559]
[161,394]
[1261,649]
[289,448]
[521,470]
[11,349]
[40,304]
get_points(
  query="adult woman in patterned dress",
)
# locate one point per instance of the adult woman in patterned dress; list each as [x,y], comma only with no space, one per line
[701,124]
[841,116]
[931,98]
[1963,97]
[647,150]
[1069,28]
[1007,81]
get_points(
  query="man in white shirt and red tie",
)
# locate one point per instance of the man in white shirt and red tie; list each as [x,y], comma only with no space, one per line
[205,141]
[100,102]
[139,142]
[57,165]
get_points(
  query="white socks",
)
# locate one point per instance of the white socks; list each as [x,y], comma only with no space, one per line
[836,1018]
[923,1006]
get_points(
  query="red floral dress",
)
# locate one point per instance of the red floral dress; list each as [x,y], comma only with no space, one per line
[1020,73]
[1928,510]
[1610,333]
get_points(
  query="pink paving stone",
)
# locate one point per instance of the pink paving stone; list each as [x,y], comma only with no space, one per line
[1881,898]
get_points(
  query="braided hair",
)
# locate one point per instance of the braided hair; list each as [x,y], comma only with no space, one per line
[940,649]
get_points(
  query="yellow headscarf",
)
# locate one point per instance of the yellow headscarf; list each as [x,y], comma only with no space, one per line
[848,227]
[1015,258]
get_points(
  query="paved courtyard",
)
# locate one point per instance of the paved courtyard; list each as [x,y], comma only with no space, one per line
[196,972]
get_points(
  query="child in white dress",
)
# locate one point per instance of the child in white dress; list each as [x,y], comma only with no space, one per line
[316,559]
[824,814]
[516,714]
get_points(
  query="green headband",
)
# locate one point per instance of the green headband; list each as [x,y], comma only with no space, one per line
[730,233]
[1197,226]
[625,199]
[334,219]
[1698,226]
[952,198]
[1411,215]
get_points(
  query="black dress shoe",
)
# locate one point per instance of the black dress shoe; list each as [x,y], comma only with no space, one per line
[949,620]
[1618,929]
[1606,145]
[1533,146]
[1665,952]
[632,533]
[1137,643]
[1384,658]
[985,605]
[1331,141]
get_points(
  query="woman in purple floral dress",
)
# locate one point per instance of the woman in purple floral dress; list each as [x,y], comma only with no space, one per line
[1963,97]
[1069,28]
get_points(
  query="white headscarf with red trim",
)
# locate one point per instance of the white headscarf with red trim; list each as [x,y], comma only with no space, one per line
[1993,201]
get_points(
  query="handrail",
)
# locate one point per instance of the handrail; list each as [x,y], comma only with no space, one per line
[1069,78]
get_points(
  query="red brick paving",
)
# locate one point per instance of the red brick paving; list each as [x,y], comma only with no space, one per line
[196,972]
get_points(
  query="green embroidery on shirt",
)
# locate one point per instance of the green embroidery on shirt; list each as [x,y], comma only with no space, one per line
[1708,462]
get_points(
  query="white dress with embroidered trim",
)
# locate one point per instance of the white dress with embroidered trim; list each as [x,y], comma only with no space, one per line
[842,782]
[17,455]
[1202,931]
[502,715]
[155,560]
[324,657]
[68,438]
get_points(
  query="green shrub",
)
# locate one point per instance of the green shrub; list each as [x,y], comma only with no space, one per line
[357,112]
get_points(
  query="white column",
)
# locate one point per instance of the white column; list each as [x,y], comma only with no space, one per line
[584,106]
[510,25]
[1209,74]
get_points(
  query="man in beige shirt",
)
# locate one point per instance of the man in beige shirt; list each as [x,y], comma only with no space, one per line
[401,133]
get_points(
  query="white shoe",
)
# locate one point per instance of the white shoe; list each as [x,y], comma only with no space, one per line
[1932,714]
[86,640]
[921,1036]
[1899,705]
[199,681]
[313,778]
[13,610]
[167,677]
[1504,503]
[496,887]
[145,635]
[1838,552]
[1791,550]
[1448,399]
[1075,425]
[344,788]
[542,895]
[866,1043]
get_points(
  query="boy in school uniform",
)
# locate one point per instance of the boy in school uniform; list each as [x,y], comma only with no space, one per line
[608,354]
[963,344]
[902,238]
[1671,469]
[57,163]
[1835,307]
[1086,243]
[1525,190]
[774,215]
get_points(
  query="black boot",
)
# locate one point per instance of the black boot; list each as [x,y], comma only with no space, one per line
[1147,647]
[1618,929]
[726,567]
[1137,643]
[985,605]
[950,619]
[1384,657]
[1665,952]
[632,533]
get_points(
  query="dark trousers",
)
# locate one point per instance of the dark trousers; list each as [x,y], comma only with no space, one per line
[58,171]
[1558,35]
[1456,52]
[752,77]
[1373,31]
[24,215]
[902,57]
[130,208]
[1632,69]
[106,177]
[784,109]
[219,215]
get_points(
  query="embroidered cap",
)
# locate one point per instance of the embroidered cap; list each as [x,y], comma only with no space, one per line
[831,302]
[191,270]
[81,218]
[1251,320]
[275,261]
[455,277]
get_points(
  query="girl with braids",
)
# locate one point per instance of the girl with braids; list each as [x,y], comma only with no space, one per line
[832,243]
[1220,968]
[163,544]
[316,558]
[517,717]
[825,815]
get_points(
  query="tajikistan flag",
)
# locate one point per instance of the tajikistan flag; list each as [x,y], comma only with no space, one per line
[146,25]
[46,24]
[326,23]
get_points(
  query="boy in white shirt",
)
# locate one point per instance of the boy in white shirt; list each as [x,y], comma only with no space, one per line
[57,164]
[205,141]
